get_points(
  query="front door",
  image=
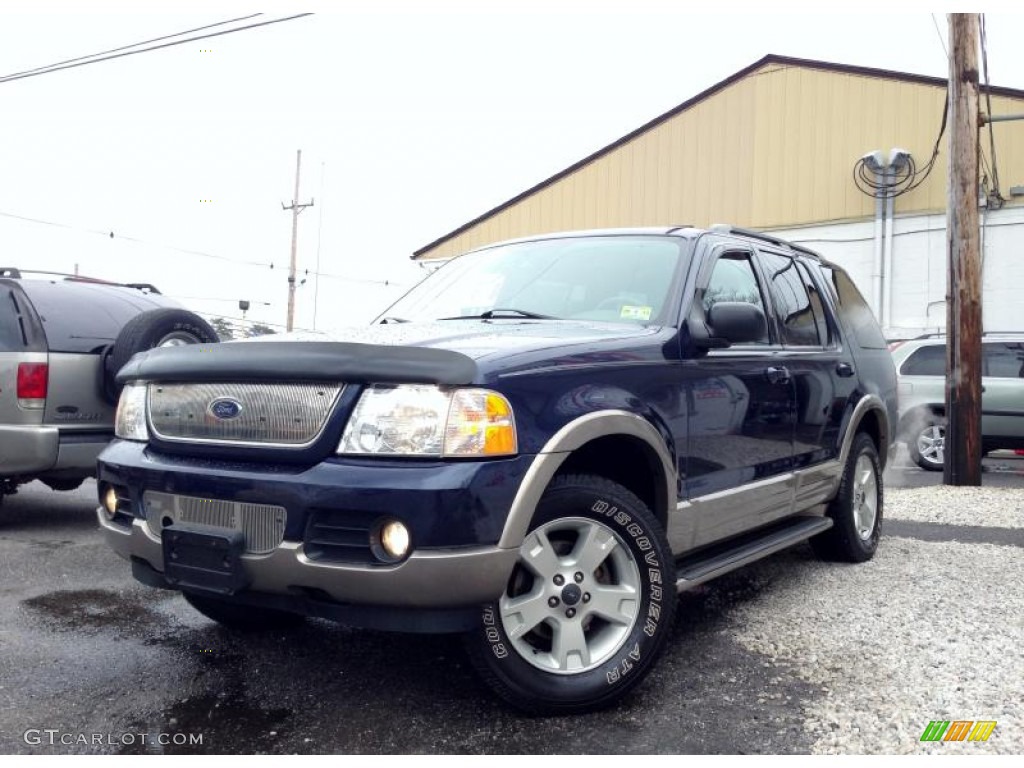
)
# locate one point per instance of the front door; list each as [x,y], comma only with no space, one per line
[740,414]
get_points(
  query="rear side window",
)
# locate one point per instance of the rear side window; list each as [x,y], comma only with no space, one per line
[926,361]
[82,317]
[856,314]
[12,337]
[802,321]
[1004,360]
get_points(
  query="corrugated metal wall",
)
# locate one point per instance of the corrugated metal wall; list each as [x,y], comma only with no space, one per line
[774,149]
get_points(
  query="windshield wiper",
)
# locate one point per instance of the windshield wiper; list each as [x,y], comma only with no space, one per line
[499,312]
[386,320]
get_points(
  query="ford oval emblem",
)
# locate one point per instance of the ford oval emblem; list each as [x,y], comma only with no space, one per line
[225,408]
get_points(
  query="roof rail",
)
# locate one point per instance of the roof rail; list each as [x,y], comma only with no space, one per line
[731,230]
[19,273]
[147,287]
[677,227]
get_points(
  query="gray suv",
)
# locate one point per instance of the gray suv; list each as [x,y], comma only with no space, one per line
[62,339]
[921,370]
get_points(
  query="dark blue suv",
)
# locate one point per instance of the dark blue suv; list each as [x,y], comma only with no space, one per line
[538,446]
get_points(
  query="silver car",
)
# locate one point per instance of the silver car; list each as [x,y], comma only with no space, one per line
[921,371]
[62,339]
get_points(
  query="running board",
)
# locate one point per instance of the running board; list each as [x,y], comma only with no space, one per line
[707,565]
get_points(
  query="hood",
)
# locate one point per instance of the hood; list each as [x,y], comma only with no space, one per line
[480,339]
[451,352]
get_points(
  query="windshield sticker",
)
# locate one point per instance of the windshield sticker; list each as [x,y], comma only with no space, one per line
[635,313]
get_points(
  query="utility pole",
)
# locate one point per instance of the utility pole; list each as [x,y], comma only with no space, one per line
[296,208]
[963,300]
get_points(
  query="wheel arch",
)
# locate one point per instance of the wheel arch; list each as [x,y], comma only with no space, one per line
[582,446]
[868,416]
[915,414]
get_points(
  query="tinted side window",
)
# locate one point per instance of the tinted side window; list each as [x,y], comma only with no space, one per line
[12,337]
[80,317]
[1005,360]
[817,306]
[733,279]
[800,326]
[926,361]
[855,312]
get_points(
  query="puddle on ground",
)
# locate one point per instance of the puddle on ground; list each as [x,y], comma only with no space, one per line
[225,721]
[50,544]
[95,609]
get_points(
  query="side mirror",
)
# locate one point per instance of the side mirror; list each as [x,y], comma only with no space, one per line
[737,322]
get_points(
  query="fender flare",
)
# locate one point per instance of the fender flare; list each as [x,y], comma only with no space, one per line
[569,438]
[864,405]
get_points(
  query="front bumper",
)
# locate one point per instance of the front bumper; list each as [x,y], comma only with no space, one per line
[427,579]
[455,512]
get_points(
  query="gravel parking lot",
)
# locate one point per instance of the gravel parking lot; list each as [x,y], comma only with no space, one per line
[787,656]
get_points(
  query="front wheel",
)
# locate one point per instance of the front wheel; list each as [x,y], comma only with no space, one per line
[587,607]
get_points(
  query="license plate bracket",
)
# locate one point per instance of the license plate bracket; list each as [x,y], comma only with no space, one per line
[203,558]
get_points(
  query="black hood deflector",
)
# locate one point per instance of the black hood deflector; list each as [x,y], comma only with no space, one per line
[301,361]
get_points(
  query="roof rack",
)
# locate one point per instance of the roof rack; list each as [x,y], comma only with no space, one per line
[17,274]
[778,241]
[990,334]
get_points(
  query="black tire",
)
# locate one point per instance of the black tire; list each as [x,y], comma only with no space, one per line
[63,483]
[523,671]
[151,329]
[852,537]
[243,618]
[922,446]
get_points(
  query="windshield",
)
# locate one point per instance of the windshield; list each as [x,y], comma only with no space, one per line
[612,278]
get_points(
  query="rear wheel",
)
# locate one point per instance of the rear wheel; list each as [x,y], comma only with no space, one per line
[856,511]
[588,606]
[927,444]
[242,617]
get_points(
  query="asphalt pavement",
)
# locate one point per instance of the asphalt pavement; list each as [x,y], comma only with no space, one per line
[91,662]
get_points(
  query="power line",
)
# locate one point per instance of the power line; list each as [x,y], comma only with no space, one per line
[204,254]
[133,45]
[58,68]
[996,196]
[111,235]
[942,40]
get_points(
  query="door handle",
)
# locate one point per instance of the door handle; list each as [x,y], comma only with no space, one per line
[844,369]
[777,374]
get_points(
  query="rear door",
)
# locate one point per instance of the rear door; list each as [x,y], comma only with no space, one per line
[79,320]
[1002,401]
[812,357]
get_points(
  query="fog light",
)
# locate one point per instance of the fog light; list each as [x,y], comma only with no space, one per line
[394,540]
[110,501]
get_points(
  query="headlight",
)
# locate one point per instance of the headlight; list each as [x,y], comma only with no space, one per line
[130,421]
[423,420]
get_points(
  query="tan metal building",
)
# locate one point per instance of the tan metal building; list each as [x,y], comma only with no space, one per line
[774,146]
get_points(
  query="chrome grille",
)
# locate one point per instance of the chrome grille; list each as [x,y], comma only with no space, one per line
[262,525]
[289,415]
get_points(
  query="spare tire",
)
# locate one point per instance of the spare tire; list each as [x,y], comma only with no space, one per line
[167,327]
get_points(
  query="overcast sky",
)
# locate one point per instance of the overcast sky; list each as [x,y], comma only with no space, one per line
[413,118]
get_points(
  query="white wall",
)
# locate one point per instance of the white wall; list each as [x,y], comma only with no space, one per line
[919,267]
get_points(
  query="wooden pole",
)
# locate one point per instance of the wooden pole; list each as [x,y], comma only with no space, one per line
[963,304]
[296,208]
